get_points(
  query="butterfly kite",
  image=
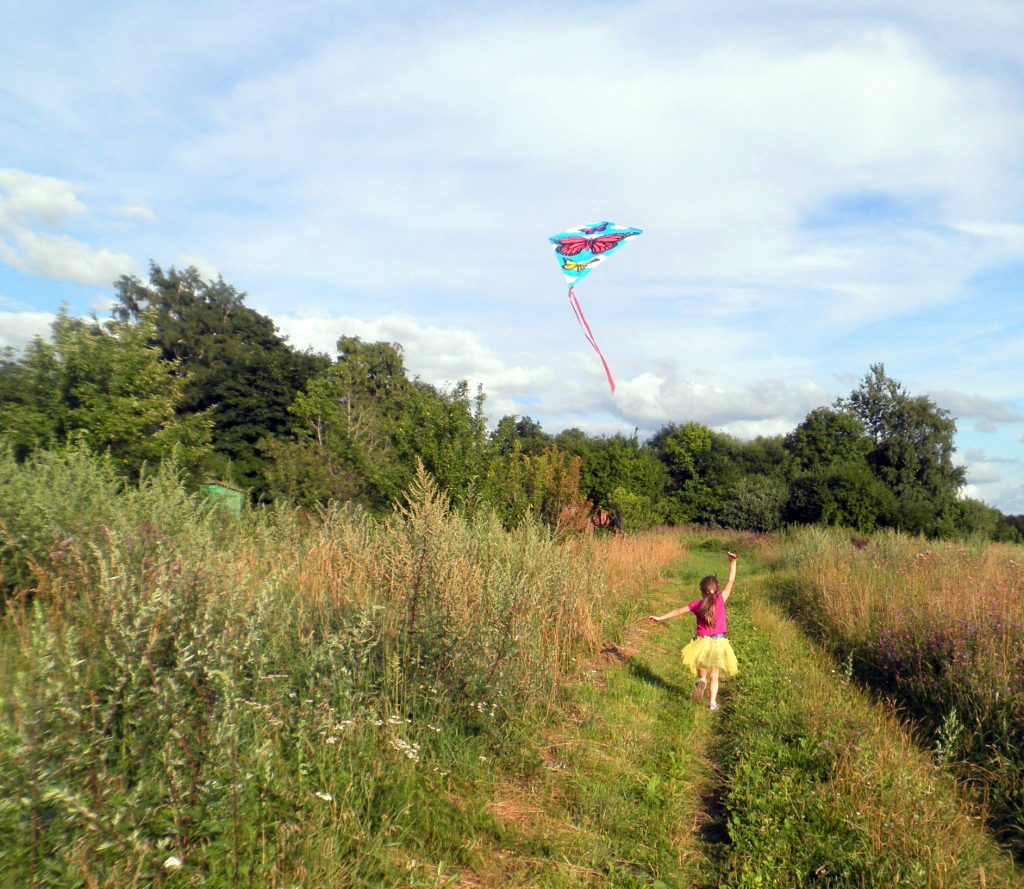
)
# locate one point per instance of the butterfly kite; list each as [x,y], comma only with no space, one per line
[578,251]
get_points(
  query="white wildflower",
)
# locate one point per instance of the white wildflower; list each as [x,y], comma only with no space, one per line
[411,751]
[331,740]
[172,862]
[326,797]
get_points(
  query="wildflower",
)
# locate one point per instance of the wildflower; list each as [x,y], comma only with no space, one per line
[331,740]
[172,862]
[411,751]
[326,797]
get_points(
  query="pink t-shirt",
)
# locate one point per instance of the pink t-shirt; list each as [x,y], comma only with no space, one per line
[719,626]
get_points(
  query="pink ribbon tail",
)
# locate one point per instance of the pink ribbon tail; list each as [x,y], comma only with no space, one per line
[578,312]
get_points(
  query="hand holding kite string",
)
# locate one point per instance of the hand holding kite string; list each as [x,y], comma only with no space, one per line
[579,250]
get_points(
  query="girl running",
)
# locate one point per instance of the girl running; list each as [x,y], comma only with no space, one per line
[709,654]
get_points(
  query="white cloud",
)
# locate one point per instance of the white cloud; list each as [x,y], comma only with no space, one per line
[412,169]
[27,200]
[768,406]
[206,269]
[719,150]
[982,474]
[136,211]
[987,411]
[18,328]
[439,356]
[64,259]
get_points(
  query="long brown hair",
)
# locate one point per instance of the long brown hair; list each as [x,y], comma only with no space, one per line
[709,593]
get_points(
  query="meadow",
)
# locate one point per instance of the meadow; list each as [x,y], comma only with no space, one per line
[937,628]
[283,699]
[325,698]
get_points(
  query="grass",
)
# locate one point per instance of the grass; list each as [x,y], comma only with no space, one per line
[825,788]
[187,700]
[937,627]
[618,791]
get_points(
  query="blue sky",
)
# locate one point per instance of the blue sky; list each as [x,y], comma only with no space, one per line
[822,186]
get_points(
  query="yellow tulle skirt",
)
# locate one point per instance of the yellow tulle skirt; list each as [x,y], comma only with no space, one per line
[704,652]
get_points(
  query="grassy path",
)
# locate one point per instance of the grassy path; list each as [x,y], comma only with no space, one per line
[799,781]
[619,796]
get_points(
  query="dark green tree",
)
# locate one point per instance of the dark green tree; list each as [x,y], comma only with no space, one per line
[702,468]
[911,452]
[755,503]
[523,434]
[237,367]
[827,437]
[620,475]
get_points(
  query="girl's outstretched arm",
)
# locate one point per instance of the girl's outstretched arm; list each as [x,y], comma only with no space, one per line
[668,615]
[727,590]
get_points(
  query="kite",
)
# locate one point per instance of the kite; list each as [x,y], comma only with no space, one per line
[578,251]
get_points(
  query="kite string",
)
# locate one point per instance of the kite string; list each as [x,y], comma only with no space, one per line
[582,319]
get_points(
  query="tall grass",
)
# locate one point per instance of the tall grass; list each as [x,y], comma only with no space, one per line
[939,627]
[188,699]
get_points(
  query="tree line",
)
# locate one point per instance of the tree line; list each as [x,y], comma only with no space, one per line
[184,369]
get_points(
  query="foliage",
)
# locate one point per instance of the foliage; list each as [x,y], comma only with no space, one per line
[912,451]
[634,512]
[701,467]
[542,487]
[104,386]
[361,427]
[755,503]
[190,700]
[239,370]
[224,392]
[519,434]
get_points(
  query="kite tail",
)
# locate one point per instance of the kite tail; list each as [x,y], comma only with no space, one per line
[578,311]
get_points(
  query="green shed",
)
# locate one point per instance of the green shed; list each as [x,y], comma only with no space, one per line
[227,496]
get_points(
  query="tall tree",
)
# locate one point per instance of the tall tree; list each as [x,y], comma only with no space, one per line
[827,437]
[620,475]
[238,367]
[912,451]
[361,426]
[519,433]
[702,467]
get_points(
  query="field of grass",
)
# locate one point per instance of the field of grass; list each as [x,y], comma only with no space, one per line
[937,627]
[188,700]
[285,699]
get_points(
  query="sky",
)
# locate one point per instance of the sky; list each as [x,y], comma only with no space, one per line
[822,186]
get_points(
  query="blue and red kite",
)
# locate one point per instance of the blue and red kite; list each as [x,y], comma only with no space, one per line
[578,251]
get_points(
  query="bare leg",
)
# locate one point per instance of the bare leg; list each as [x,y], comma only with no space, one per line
[714,686]
[702,681]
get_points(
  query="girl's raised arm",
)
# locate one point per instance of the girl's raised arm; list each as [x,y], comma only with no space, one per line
[727,590]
